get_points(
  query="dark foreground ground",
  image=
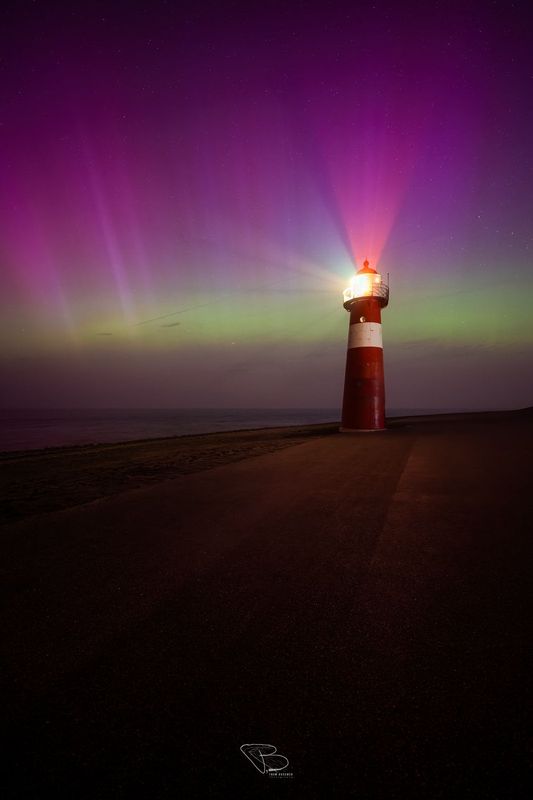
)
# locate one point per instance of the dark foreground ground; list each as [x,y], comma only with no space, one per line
[359,602]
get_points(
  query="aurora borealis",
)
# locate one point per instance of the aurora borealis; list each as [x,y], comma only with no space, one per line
[185,191]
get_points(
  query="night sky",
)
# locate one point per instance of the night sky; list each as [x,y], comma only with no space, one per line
[186,188]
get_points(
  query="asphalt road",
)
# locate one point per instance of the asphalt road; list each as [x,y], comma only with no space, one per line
[359,602]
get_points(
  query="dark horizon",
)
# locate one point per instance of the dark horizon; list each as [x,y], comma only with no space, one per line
[455,409]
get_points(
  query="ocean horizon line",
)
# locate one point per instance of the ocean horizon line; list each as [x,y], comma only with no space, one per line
[41,428]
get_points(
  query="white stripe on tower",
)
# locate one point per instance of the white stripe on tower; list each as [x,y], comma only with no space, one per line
[365,334]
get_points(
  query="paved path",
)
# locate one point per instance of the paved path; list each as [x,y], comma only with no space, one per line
[360,602]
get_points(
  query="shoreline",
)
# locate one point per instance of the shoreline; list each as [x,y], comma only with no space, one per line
[442,416]
[54,479]
[6,454]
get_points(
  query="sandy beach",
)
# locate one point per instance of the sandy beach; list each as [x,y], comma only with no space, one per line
[358,602]
[38,481]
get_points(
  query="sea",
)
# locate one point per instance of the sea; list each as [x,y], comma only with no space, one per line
[32,429]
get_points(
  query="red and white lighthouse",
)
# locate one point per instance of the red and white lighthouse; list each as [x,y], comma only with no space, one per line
[363,405]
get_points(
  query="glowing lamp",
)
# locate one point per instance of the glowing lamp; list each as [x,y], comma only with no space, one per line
[366,283]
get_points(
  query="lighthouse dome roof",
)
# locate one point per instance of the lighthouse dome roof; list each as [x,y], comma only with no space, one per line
[366,268]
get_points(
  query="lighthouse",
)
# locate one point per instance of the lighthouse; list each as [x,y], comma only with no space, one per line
[363,404]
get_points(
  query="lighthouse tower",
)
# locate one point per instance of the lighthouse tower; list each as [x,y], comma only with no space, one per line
[363,405]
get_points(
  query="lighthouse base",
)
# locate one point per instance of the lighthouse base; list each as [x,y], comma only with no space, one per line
[362,430]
